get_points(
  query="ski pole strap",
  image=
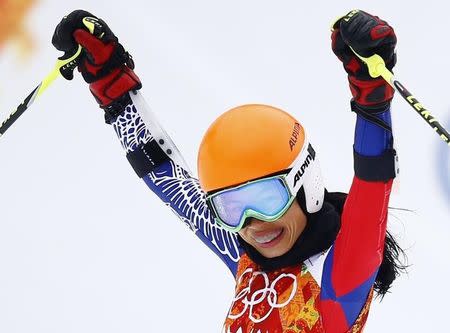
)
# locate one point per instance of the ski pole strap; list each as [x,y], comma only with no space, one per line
[376,168]
[146,158]
[371,116]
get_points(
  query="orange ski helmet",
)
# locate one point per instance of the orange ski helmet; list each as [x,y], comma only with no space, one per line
[254,141]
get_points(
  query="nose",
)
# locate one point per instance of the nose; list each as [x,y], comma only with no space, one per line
[253,223]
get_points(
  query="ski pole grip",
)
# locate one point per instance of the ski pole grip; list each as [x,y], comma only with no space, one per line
[69,61]
[376,67]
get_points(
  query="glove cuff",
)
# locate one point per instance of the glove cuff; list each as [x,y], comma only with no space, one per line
[370,93]
[113,86]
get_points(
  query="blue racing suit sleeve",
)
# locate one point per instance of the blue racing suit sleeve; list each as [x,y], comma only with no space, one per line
[171,180]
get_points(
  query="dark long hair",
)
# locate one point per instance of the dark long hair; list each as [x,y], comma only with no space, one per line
[394,257]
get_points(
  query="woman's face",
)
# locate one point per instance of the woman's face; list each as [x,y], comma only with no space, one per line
[273,239]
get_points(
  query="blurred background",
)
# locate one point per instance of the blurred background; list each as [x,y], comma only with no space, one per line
[86,247]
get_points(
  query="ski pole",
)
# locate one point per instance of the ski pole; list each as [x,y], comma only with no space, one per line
[64,66]
[377,68]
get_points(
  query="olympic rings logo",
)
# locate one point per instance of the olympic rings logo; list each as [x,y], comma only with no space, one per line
[267,294]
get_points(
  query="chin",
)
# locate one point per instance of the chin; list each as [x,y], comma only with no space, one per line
[272,253]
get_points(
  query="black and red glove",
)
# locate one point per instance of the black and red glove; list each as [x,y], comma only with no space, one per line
[367,35]
[104,63]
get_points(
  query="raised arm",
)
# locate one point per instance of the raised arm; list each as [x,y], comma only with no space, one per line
[108,69]
[353,262]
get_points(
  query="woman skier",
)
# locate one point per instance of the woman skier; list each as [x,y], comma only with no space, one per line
[304,259]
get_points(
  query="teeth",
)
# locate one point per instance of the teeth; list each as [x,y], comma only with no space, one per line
[270,236]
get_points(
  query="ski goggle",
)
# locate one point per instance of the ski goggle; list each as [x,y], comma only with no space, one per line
[265,199]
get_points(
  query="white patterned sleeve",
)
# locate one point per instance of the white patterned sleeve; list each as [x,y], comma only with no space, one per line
[170,179]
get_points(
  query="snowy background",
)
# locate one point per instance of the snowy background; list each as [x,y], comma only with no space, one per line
[86,247]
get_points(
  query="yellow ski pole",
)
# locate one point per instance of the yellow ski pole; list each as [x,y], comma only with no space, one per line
[64,66]
[377,67]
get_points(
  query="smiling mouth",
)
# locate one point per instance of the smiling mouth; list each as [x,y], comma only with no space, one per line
[269,238]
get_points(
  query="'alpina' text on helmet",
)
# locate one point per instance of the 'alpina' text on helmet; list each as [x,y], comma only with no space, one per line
[294,136]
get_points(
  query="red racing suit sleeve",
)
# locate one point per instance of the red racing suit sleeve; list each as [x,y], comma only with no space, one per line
[352,264]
